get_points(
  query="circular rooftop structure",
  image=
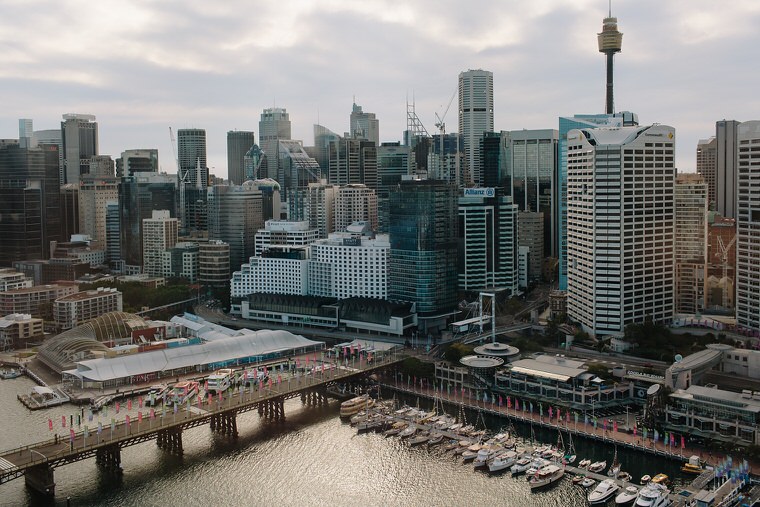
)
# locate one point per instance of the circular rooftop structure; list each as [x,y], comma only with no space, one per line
[500,350]
[481,362]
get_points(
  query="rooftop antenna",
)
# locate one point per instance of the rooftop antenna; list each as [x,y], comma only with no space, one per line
[610,41]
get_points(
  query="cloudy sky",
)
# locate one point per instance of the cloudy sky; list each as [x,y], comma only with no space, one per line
[141,66]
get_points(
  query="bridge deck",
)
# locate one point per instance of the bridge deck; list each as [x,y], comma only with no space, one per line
[85,444]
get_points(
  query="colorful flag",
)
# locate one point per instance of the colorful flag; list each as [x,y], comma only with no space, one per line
[113,424]
[63,421]
[176,405]
[89,415]
[210,398]
[615,426]
[634,431]
[559,414]
[139,417]
[683,442]
[129,404]
[220,399]
[140,402]
[517,404]
[72,435]
[550,412]
[117,407]
[509,402]
[126,418]
[152,413]
[100,427]
[86,431]
[50,424]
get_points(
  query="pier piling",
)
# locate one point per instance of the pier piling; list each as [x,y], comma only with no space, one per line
[40,478]
[109,458]
[170,440]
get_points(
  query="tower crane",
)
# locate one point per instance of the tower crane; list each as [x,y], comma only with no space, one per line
[723,256]
[441,126]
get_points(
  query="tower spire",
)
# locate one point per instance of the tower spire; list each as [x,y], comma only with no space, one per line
[610,42]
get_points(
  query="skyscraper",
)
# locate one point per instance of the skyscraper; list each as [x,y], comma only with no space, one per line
[353,161]
[392,164]
[94,195]
[139,196]
[748,227]
[422,266]
[475,116]
[487,254]
[54,137]
[159,235]
[566,124]
[191,152]
[690,243]
[238,144]
[295,168]
[726,167]
[29,202]
[273,126]
[620,226]
[137,161]
[26,133]
[707,159]
[316,205]
[79,135]
[364,125]
[355,203]
[234,216]
[530,167]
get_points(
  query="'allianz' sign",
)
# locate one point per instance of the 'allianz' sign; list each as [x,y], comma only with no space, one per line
[479,192]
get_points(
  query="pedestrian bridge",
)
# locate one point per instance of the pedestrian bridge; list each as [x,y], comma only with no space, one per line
[36,462]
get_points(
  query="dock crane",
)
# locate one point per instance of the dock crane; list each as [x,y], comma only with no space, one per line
[722,254]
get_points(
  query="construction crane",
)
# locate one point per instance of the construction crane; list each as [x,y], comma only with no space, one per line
[441,126]
[722,254]
[181,177]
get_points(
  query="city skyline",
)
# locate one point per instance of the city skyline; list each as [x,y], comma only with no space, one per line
[143,68]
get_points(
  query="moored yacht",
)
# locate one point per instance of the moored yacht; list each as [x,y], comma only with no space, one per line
[502,462]
[521,465]
[627,496]
[653,495]
[354,405]
[546,476]
[603,492]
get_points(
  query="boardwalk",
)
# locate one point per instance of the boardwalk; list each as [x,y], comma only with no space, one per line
[104,442]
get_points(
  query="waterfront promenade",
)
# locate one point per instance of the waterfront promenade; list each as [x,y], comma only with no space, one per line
[567,422]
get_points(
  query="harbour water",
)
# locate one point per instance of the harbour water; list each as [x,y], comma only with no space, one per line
[311,458]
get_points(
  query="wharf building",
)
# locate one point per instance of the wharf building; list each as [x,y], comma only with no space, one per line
[690,243]
[74,309]
[487,250]
[123,349]
[748,228]
[620,227]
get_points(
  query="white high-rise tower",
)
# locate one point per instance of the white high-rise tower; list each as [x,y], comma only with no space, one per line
[620,226]
[475,116]
[748,227]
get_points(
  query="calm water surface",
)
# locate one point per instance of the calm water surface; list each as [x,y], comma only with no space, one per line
[310,459]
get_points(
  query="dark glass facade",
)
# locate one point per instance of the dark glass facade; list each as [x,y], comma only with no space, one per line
[423,236]
[137,201]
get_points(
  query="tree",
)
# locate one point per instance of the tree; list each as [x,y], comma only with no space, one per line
[457,351]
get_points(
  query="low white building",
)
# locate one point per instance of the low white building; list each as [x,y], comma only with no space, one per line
[279,270]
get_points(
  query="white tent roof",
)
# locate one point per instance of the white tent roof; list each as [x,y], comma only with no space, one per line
[219,350]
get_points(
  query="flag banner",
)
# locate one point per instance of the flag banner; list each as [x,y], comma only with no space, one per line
[139,417]
[63,421]
[86,431]
[163,410]
[89,414]
[152,413]
[683,442]
[100,427]
[517,404]
[140,402]
[509,402]
[50,424]
[550,412]
[220,397]
[117,407]
[127,420]
[531,407]
[614,426]
[559,414]
[129,404]
[72,435]
[175,407]
[634,431]
[113,424]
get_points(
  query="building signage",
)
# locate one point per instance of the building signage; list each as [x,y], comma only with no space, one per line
[479,192]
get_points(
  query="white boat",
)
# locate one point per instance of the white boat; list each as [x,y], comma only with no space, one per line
[435,438]
[521,465]
[653,495]
[355,405]
[419,439]
[645,479]
[484,456]
[588,482]
[627,496]
[408,431]
[584,463]
[502,462]
[597,467]
[615,467]
[535,466]
[603,492]
[219,381]
[546,476]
